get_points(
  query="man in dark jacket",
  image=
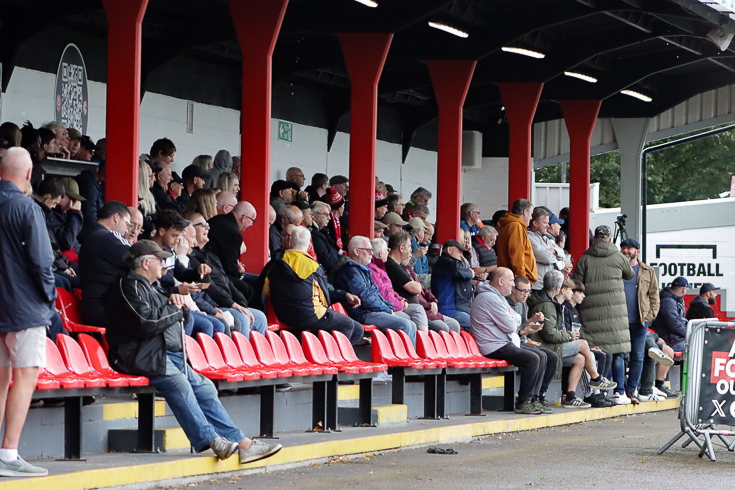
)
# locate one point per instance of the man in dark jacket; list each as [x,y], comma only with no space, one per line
[324,246]
[225,235]
[483,244]
[353,275]
[66,220]
[671,322]
[28,294]
[451,283]
[701,306]
[162,178]
[146,338]
[92,188]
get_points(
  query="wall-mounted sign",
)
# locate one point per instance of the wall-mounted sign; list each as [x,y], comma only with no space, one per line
[285,131]
[71,97]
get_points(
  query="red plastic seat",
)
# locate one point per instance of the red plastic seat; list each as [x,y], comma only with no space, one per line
[341,309]
[56,370]
[281,355]
[66,303]
[270,314]
[296,353]
[461,355]
[314,352]
[199,362]
[77,364]
[465,352]
[471,343]
[232,358]
[381,352]
[443,352]
[214,358]
[399,350]
[45,384]
[411,351]
[247,354]
[265,355]
[348,353]
[98,360]
[331,349]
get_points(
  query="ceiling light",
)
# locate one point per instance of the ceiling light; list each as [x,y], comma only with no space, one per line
[524,52]
[447,28]
[581,76]
[637,95]
[368,3]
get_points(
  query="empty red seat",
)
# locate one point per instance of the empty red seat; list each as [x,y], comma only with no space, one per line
[199,362]
[443,352]
[471,343]
[281,355]
[273,324]
[231,356]
[331,349]
[399,350]
[45,384]
[265,355]
[411,351]
[348,352]
[56,369]
[214,358]
[77,364]
[247,354]
[462,354]
[381,352]
[466,354]
[341,309]
[314,352]
[98,360]
[296,353]
[66,303]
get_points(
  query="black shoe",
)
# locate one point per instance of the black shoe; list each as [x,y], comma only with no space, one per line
[598,400]
[666,391]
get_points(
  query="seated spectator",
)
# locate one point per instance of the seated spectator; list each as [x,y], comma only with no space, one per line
[204,202]
[146,201]
[379,229]
[495,326]
[225,236]
[470,214]
[206,165]
[419,211]
[334,227]
[394,223]
[58,146]
[419,246]
[92,189]
[222,164]
[282,193]
[101,259]
[353,276]
[671,323]
[193,180]
[497,216]
[66,219]
[420,196]
[132,234]
[318,187]
[380,276]
[286,215]
[74,143]
[228,182]
[226,201]
[162,179]
[483,244]
[100,154]
[175,187]
[395,204]
[327,252]
[469,258]
[555,335]
[296,176]
[513,246]
[548,257]
[86,149]
[301,295]
[701,306]
[10,136]
[402,282]
[145,339]
[162,153]
[451,283]
[381,205]
[341,184]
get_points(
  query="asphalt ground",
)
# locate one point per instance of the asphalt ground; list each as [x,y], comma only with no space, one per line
[606,453]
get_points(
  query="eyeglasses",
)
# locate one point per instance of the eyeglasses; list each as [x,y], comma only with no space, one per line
[203,224]
[252,220]
[314,213]
[134,227]
[522,291]
[285,235]
[477,212]
[368,250]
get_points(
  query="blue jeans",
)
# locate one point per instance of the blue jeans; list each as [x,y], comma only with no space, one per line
[399,321]
[637,355]
[199,322]
[618,371]
[463,319]
[193,400]
[260,325]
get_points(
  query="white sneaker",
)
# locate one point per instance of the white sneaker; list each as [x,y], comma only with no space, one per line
[659,393]
[659,356]
[383,377]
[621,399]
[653,397]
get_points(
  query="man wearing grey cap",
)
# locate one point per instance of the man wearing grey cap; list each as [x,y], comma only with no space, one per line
[146,338]
[602,269]
[701,306]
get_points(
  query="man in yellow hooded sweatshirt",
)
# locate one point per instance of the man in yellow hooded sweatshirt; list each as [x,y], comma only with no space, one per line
[514,247]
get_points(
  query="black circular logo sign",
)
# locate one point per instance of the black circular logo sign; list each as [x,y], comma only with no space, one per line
[72,97]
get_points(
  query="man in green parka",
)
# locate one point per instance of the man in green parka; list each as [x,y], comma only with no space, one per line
[604,313]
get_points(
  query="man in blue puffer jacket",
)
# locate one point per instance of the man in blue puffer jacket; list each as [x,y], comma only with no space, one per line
[671,323]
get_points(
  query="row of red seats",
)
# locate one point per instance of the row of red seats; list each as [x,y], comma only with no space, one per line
[68,307]
[274,324]
[433,350]
[72,365]
[263,357]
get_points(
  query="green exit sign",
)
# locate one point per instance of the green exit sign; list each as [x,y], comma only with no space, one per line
[285,131]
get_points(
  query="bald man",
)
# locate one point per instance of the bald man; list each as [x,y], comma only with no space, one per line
[135,226]
[296,175]
[225,235]
[28,294]
[226,202]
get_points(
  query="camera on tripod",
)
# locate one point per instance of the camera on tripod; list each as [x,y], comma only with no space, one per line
[620,230]
[621,219]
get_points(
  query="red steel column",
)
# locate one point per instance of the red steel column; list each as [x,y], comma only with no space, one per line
[124,21]
[450,79]
[257,23]
[580,117]
[365,55]
[520,101]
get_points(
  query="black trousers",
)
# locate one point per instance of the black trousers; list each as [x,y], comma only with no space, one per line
[334,320]
[549,361]
[529,365]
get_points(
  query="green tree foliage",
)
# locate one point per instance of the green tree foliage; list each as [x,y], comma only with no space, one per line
[701,169]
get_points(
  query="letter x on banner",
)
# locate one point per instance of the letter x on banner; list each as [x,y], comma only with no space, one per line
[717,390]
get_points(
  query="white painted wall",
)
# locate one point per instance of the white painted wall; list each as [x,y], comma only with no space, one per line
[487,186]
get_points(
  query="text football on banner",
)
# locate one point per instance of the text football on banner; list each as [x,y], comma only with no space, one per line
[717,391]
[71,97]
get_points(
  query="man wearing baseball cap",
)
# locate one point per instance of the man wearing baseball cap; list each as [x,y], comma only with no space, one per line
[66,219]
[701,306]
[394,222]
[146,338]
[193,178]
[642,301]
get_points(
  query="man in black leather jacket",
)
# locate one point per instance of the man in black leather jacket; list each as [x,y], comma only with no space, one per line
[145,335]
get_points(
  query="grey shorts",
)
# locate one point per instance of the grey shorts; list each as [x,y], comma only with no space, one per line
[25,348]
[569,351]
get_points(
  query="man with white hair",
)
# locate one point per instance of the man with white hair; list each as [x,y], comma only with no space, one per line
[353,275]
[483,244]
[286,215]
[226,201]
[324,246]
[301,295]
[28,295]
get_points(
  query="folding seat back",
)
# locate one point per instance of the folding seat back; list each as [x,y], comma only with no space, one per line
[471,343]
[439,345]
[380,349]
[293,347]
[461,345]
[247,354]
[279,349]
[97,358]
[262,349]
[313,349]
[425,347]
[229,351]
[396,343]
[345,347]
[408,345]
[452,348]
[270,314]
[54,362]
[195,355]
[73,356]
[330,347]
[66,304]
[211,351]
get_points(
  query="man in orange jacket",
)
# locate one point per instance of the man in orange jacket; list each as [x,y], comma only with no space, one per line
[514,247]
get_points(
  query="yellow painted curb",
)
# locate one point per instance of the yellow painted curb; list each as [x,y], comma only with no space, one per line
[210,465]
[391,414]
[492,382]
[128,410]
[348,392]
[175,438]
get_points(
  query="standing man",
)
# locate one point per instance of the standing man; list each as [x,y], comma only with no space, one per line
[28,295]
[602,270]
[513,245]
[701,306]
[642,301]
[470,214]
[547,255]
